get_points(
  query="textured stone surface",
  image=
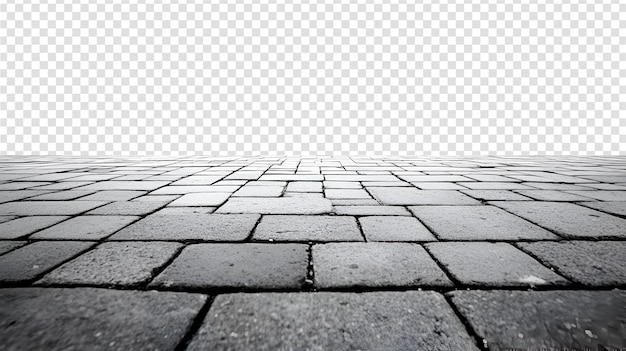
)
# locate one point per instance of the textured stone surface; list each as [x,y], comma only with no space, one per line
[267,266]
[190,227]
[553,195]
[113,195]
[489,195]
[94,319]
[48,208]
[332,321]
[603,195]
[27,225]
[6,246]
[259,191]
[372,210]
[412,196]
[276,205]
[346,194]
[86,227]
[131,208]
[550,320]
[612,207]
[124,185]
[305,187]
[307,228]
[201,199]
[394,228]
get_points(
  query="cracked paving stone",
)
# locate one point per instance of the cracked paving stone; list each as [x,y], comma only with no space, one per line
[410,320]
[240,266]
[478,223]
[344,265]
[593,263]
[6,246]
[85,228]
[492,264]
[392,228]
[412,196]
[132,208]
[569,220]
[94,319]
[48,208]
[27,225]
[545,320]
[613,207]
[283,205]
[197,226]
[308,228]
[201,199]
[28,262]
[372,210]
[113,264]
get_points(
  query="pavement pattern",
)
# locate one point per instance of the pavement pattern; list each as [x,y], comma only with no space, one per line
[279,253]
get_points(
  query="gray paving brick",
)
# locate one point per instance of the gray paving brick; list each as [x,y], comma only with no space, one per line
[63,195]
[189,227]
[65,185]
[95,177]
[198,180]
[344,265]
[293,177]
[14,195]
[156,198]
[262,266]
[182,210]
[30,261]
[21,185]
[6,246]
[4,219]
[283,205]
[85,228]
[552,195]
[355,202]
[371,210]
[498,195]
[346,194]
[494,185]
[567,219]
[613,207]
[491,178]
[557,186]
[134,208]
[546,320]
[113,195]
[408,321]
[437,186]
[27,225]
[594,263]
[477,223]
[433,178]
[361,178]
[187,189]
[305,187]
[603,195]
[393,228]
[201,199]
[259,191]
[492,264]
[412,196]
[94,319]
[114,264]
[304,195]
[307,228]
[382,184]
[124,185]
[48,208]
[341,185]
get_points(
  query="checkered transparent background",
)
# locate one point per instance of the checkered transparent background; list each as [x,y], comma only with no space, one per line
[326,77]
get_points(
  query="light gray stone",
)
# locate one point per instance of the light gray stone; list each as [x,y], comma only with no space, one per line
[27,225]
[341,185]
[86,228]
[62,195]
[283,205]
[437,186]
[187,189]
[201,199]
[134,208]
[305,187]
[393,228]
[497,195]
[6,246]
[612,207]
[371,210]
[603,195]
[113,195]
[552,195]
[412,196]
[494,185]
[307,228]
[259,191]
[346,194]
[48,208]
[124,185]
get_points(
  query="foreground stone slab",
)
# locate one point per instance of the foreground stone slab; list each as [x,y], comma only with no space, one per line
[545,320]
[394,228]
[86,228]
[332,321]
[567,219]
[27,225]
[411,196]
[48,208]
[283,205]
[197,226]
[307,228]
[94,319]
[240,266]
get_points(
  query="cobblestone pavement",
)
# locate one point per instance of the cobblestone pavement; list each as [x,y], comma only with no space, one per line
[270,253]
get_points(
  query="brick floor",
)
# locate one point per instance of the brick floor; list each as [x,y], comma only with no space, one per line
[272,253]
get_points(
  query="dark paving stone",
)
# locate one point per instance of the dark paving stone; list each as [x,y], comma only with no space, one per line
[546,320]
[28,262]
[492,264]
[595,263]
[6,246]
[27,225]
[393,228]
[131,208]
[343,265]
[267,266]
[567,219]
[412,196]
[308,228]
[114,264]
[86,228]
[613,207]
[477,223]
[48,208]
[199,226]
[332,321]
[283,205]
[94,319]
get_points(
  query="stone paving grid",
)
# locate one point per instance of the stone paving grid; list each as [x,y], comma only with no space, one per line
[323,230]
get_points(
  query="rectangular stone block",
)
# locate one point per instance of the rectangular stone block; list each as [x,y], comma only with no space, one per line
[412,196]
[24,226]
[372,210]
[48,208]
[393,228]
[201,199]
[283,205]
[307,228]
[86,228]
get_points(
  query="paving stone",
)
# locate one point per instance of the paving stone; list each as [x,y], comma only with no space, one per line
[346,194]
[438,186]
[341,185]
[198,180]
[498,195]
[371,210]
[124,185]
[246,175]
[412,196]
[494,185]
[114,264]
[392,184]
[6,246]
[180,190]
[433,178]
[4,219]
[189,227]
[492,264]
[62,195]
[184,210]
[48,208]
[267,183]
[259,191]
[594,263]
[85,228]
[491,178]
[307,228]
[14,195]
[355,202]
[545,320]
[345,265]
[478,223]
[305,187]
[603,195]
[21,185]
[293,177]
[30,261]
[552,195]
[201,199]
[557,186]
[65,185]
[393,228]
[113,195]
[95,177]
[134,208]
[410,320]
[613,207]
[567,219]
[156,198]
[361,178]
[283,205]
[304,195]
[95,319]
[241,266]
[27,225]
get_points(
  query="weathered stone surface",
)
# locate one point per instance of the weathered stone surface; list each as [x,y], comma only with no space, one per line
[308,228]
[346,194]
[190,227]
[552,195]
[62,195]
[408,321]
[492,264]
[393,228]
[355,202]
[603,195]
[594,263]
[477,223]
[343,265]
[113,195]
[133,208]
[8,196]
[498,195]
[613,207]
[94,319]
[201,199]
[361,178]
[283,205]
[546,320]
[187,189]
[6,246]
[411,196]
[198,180]
[241,266]
[23,226]
[433,178]
[30,261]
[494,185]
[48,208]
[259,191]
[372,210]
[437,186]
[124,185]
[341,185]
[567,219]
[305,187]
[86,228]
